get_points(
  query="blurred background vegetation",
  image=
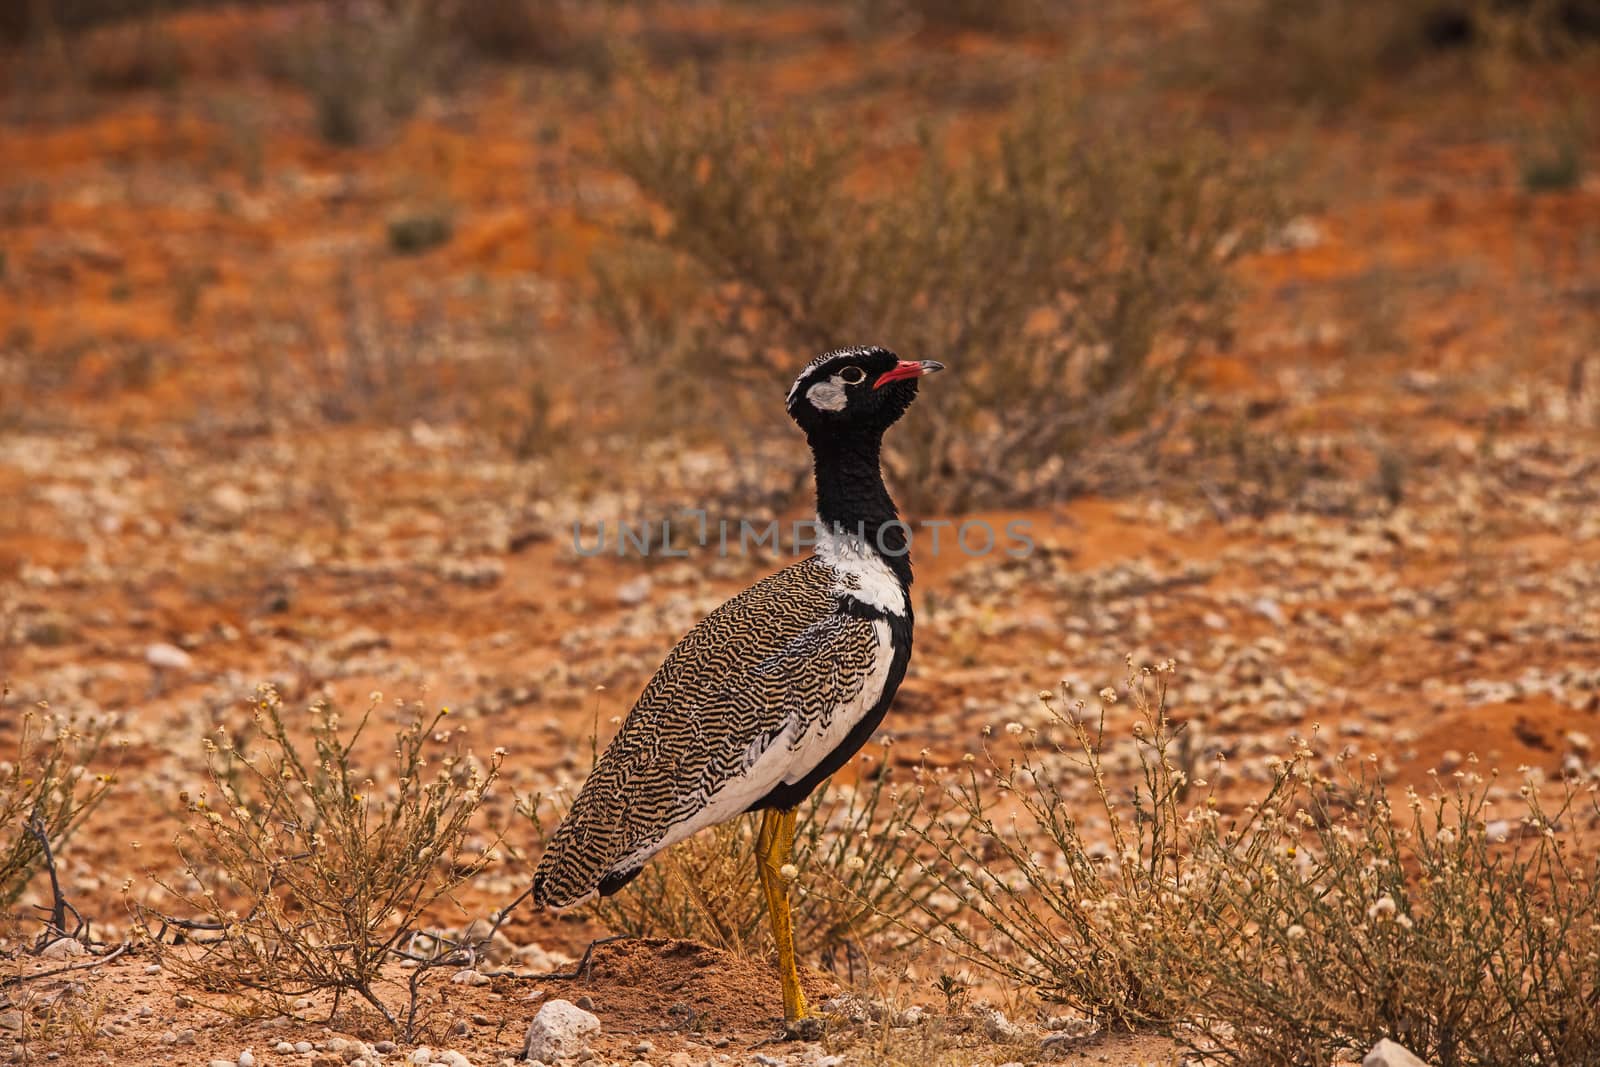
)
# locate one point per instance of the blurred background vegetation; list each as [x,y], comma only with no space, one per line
[574,226]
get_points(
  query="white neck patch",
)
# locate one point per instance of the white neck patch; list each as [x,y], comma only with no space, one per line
[859,571]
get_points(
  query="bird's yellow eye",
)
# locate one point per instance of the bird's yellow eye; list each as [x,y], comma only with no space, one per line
[852,376]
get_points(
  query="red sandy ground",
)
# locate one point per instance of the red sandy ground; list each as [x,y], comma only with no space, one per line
[1440,316]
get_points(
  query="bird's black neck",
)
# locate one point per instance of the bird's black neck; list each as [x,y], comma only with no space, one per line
[851,498]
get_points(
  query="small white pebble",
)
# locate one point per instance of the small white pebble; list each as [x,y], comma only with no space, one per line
[247,1059]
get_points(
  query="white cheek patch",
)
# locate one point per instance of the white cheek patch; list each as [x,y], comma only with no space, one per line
[827,396]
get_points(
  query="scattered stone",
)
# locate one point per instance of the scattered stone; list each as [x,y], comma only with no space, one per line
[283,1048]
[634,592]
[1388,1054]
[247,1058]
[1299,234]
[915,1015]
[165,657]
[66,948]
[541,961]
[560,1031]
[998,1027]
[11,1020]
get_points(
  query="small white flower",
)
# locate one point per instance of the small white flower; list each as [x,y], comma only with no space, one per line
[1014,728]
[1108,695]
[788,872]
[1295,932]
[1382,908]
[855,863]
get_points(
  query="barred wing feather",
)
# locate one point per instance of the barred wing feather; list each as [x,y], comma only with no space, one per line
[756,695]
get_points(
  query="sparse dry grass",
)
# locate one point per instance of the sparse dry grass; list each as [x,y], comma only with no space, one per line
[309,872]
[1302,928]
[1334,921]
[47,791]
[857,877]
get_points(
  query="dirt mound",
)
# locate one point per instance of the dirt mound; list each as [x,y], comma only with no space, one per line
[651,984]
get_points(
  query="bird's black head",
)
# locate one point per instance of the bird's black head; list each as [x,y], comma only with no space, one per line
[855,390]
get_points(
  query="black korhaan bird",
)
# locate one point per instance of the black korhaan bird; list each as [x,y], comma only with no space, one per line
[774,690]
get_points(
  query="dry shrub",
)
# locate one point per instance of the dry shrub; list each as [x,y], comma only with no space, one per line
[365,64]
[1299,931]
[1065,275]
[1336,921]
[62,1023]
[46,794]
[857,879]
[991,16]
[516,30]
[309,873]
[1317,51]
[1048,906]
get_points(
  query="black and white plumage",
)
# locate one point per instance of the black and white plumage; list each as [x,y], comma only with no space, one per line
[751,701]
[776,689]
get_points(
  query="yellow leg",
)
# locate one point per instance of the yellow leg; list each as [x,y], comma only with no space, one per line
[774,845]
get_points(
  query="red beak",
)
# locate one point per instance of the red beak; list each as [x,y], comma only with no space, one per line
[908,368]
